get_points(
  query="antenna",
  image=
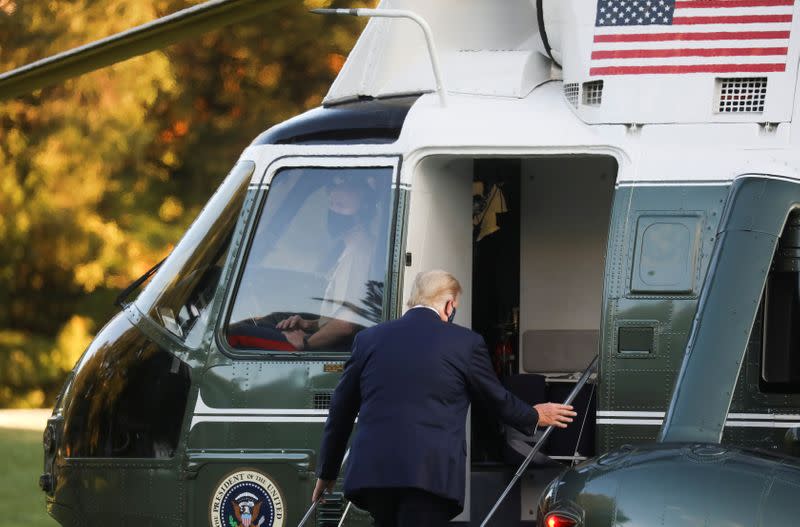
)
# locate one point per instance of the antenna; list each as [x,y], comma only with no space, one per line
[400,13]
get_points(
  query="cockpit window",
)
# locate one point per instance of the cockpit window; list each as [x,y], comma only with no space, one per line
[315,272]
[780,316]
[126,399]
[180,293]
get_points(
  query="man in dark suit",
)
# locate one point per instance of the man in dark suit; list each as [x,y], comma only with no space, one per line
[410,382]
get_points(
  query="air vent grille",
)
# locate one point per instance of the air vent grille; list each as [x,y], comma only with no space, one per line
[572,93]
[593,93]
[322,400]
[329,513]
[746,94]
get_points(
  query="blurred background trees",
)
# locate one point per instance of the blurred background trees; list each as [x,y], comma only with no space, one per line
[100,176]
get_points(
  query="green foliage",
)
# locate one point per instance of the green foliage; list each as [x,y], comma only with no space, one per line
[101,175]
[21,501]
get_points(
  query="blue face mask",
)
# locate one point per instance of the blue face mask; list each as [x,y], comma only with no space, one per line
[452,315]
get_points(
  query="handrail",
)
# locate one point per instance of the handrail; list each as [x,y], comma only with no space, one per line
[317,501]
[521,470]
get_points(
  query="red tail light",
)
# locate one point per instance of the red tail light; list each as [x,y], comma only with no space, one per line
[555,519]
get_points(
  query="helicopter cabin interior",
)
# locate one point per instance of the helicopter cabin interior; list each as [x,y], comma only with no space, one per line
[536,229]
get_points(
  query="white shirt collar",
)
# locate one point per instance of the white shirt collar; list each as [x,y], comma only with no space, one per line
[427,307]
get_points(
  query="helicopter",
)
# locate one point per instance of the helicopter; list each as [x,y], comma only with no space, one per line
[616,176]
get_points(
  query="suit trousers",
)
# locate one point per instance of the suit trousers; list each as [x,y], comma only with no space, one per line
[402,507]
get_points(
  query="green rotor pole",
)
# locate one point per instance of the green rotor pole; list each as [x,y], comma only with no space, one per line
[136,41]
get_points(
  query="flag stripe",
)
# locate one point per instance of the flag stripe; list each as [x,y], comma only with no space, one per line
[700,28]
[707,4]
[716,35]
[689,68]
[739,44]
[746,19]
[706,52]
[681,61]
[733,11]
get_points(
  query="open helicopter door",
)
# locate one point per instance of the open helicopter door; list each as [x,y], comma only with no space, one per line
[439,236]
[439,229]
[526,236]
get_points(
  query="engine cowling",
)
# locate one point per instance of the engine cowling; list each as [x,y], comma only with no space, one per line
[680,485]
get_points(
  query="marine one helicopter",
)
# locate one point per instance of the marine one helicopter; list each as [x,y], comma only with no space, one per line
[612,176]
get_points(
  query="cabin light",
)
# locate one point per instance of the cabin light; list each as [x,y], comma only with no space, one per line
[555,519]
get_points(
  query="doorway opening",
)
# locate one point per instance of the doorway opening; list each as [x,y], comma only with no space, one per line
[527,237]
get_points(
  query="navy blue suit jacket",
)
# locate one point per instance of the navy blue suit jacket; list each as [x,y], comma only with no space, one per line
[410,382]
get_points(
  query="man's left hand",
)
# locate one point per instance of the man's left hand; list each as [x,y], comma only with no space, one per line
[322,487]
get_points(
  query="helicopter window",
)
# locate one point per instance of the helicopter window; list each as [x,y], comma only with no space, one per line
[780,368]
[179,295]
[315,271]
[126,399]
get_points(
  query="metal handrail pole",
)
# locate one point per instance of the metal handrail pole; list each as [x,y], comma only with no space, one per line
[344,515]
[521,470]
[317,501]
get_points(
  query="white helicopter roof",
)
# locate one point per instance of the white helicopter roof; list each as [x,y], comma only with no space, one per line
[731,117]
[624,61]
[485,47]
[541,124]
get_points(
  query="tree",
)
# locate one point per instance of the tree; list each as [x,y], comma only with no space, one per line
[100,176]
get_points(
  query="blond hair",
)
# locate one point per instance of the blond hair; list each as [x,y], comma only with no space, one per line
[433,289]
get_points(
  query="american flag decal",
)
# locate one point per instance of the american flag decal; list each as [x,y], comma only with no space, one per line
[635,37]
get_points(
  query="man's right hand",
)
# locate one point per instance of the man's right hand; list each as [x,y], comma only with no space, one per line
[554,414]
[295,322]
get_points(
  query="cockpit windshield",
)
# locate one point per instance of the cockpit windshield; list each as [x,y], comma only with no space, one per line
[315,272]
[180,293]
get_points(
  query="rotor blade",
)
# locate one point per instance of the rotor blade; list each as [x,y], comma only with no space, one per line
[136,41]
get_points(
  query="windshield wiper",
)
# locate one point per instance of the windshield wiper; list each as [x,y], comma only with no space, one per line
[136,283]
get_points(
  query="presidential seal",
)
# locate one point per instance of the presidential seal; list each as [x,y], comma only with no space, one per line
[247,498]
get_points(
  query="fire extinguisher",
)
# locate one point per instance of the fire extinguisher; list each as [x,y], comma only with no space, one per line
[503,356]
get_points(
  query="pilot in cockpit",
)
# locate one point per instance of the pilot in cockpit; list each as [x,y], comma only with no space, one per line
[313,281]
[350,208]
